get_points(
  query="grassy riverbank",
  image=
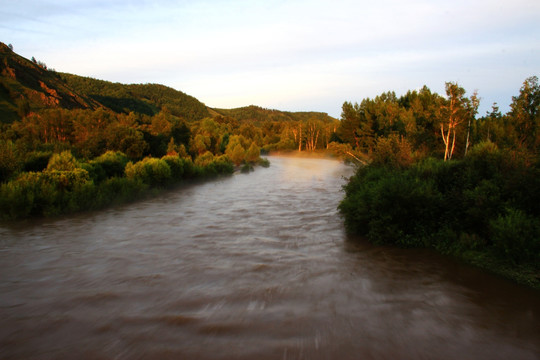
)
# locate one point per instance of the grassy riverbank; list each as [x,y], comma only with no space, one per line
[483,209]
[67,185]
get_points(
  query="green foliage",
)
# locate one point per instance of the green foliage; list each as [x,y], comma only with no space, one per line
[483,208]
[237,154]
[220,165]
[151,171]
[64,161]
[253,153]
[205,159]
[208,165]
[146,99]
[516,236]
[9,162]
[255,114]
[264,162]
[36,160]
[390,206]
[51,192]
[128,140]
[118,190]
[16,199]
[113,163]
[176,164]
[526,115]
[393,151]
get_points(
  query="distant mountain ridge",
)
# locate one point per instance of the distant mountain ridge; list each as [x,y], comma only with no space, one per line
[257,113]
[28,86]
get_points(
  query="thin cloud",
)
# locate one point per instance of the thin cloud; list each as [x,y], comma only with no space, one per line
[276,52]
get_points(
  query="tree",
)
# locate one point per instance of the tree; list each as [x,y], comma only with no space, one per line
[350,124]
[473,110]
[64,161]
[313,129]
[253,153]
[455,112]
[23,107]
[237,155]
[525,113]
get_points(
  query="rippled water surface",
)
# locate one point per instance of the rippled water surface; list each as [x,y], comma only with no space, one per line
[252,266]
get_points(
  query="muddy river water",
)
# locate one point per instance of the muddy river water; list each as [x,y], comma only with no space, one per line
[252,266]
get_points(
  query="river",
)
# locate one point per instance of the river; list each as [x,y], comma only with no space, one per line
[251,266]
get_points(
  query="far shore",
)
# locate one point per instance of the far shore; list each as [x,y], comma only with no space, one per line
[318,154]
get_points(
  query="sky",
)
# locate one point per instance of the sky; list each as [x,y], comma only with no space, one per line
[292,55]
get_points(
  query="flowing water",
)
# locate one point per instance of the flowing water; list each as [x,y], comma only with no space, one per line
[252,266]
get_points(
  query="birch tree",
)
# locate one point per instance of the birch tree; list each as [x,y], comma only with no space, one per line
[455,111]
[473,110]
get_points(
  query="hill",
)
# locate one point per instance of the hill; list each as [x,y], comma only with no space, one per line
[148,99]
[27,86]
[254,113]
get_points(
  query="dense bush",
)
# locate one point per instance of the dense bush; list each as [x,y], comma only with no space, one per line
[36,160]
[47,193]
[113,163]
[176,164]
[516,236]
[151,171]
[8,160]
[390,206]
[477,204]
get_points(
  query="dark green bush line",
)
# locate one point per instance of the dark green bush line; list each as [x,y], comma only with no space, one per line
[484,209]
[67,186]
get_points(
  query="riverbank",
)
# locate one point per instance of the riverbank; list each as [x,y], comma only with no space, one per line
[482,210]
[247,267]
[316,154]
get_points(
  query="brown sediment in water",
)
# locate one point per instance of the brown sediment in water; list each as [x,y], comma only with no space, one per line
[247,267]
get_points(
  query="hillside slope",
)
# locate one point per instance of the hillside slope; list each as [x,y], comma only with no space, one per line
[254,113]
[27,86]
[148,99]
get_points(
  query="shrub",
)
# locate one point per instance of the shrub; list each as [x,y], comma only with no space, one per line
[394,151]
[264,162]
[113,163]
[222,165]
[204,159]
[119,190]
[36,160]
[253,153]
[151,171]
[246,168]
[177,166]
[63,161]
[9,163]
[47,193]
[237,154]
[516,236]
[390,206]
[16,200]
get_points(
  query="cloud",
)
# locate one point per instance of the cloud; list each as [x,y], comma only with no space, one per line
[238,52]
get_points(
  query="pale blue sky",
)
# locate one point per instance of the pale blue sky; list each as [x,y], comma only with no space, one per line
[290,55]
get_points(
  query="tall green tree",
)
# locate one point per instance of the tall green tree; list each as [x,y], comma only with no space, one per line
[525,113]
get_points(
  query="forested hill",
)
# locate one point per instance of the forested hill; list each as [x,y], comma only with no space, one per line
[254,113]
[69,143]
[147,99]
[27,85]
